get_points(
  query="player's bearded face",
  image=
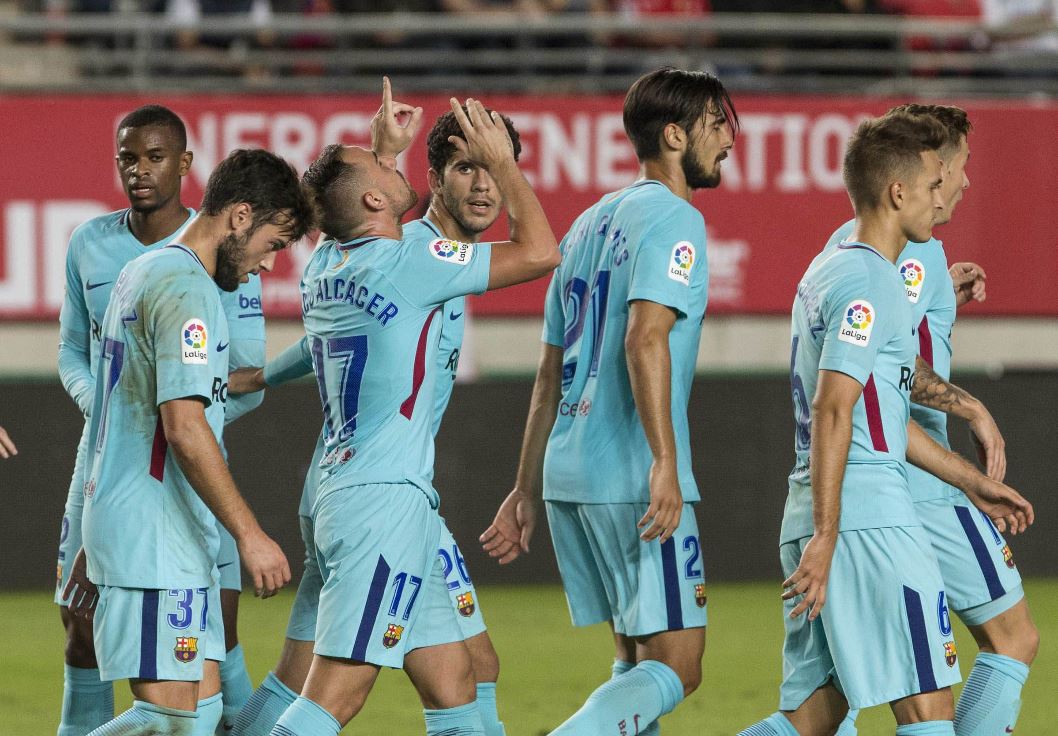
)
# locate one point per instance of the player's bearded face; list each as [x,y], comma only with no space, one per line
[707,146]
[230,256]
[401,195]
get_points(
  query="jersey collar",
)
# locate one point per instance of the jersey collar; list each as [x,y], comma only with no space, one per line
[190,252]
[425,220]
[856,245]
[358,242]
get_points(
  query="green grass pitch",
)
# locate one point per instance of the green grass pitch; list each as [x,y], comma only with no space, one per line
[548,668]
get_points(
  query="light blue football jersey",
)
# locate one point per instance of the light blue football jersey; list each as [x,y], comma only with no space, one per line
[246,327]
[639,243]
[372,311]
[851,315]
[923,268]
[164,337]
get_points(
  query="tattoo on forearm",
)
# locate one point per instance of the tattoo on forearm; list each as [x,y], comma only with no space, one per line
[932,391]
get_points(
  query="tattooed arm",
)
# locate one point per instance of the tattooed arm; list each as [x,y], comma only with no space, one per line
[932,391]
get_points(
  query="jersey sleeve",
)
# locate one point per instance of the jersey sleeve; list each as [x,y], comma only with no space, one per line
[669,252]
[181,311]
[246,328]
[859,317]
[440,269]
[554,317]
[294,362]
[75,352]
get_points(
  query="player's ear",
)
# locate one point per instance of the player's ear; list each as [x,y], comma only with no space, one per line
[374,201]
[185,162]
[240,216]
[674,137]
[896,194]
[434,180]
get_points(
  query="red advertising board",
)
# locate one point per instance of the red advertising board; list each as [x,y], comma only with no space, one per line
[780,199]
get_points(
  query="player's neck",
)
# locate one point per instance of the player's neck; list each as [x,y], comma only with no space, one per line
[203,237]
[439,215]
[150,227]
[670,173]
[882,233]
[376,225]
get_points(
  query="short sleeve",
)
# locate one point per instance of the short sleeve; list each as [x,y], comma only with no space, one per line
[181,314]
[440,269]
[554,317]
[671,249]
[860,316]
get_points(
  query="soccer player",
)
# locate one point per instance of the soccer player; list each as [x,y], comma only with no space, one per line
[152,159]
[465,202]
[372,299]
[607,434]
[157,481]
[981,582]
[7,445]
[865,611]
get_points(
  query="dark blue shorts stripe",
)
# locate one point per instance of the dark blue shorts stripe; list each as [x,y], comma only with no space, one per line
[149,636]
[980,548]
[916,624]
[374,602]
[673,607]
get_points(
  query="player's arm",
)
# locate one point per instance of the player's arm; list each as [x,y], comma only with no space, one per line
[292,363]
[1005,506]
[244,353]
[532,250]
[836,395]
[75,326]
[196,450]
[509,534]
[932,391]
[650,375]
[968,280]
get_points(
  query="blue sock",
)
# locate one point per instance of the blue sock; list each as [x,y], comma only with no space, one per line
[991,700]
[463,720]
[147,719]
[87,701]
[490,718]
[209,710]
[306,718]
[926,728]
[774,725]
[235,685]
[633,701]
[264,707]
[848,726]
[620,666]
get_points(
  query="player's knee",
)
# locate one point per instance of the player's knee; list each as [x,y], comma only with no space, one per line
[1028,643]
[485,662]
[690,674]
[80,647]
[457,687]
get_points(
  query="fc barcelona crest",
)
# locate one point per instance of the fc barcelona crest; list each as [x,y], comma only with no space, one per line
[392,636]
[186,649]
[949,653]
[1008,556]
[699,594]
[465,604]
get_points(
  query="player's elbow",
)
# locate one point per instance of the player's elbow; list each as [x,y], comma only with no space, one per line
[544,258]
[642,343]
[182,428]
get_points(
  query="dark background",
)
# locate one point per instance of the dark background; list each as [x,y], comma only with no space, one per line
[742,436]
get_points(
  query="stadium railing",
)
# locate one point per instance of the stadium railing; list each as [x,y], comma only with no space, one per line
[873,54]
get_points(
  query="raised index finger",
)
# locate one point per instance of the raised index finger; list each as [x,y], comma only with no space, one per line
[387,99]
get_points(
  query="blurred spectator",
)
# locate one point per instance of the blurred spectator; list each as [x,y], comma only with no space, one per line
[190,12]
[7,446]
[1022,23]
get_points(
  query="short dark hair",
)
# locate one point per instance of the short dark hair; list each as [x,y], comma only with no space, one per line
[158,115]
[954,119]
[328,180]
[267,183]
[670,95]
[439,150]
[886,148]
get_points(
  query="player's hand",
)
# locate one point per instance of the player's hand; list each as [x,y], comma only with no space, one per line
[1007,508]
[486,139]
[81,593]
[811,576]
[509,534]
[395,124]
[969,282]
[7,447]
[666,503]
[246,381]
[265,562]
[990,445]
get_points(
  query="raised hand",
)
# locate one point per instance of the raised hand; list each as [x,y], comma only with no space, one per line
[395,125]
[969,282]
[265,562]
[509,534]
[487,141]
